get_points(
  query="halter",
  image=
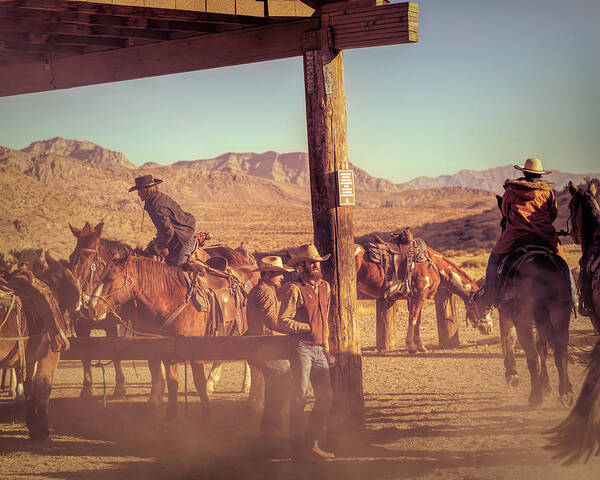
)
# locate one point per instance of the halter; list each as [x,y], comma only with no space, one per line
[473,304]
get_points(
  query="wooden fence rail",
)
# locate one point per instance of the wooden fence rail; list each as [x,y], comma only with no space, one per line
[179,348]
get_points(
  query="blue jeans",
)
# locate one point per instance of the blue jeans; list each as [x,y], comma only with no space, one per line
[309,363]
[179,257]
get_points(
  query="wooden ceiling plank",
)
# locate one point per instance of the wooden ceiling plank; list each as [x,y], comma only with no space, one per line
[196,53]
[42,48]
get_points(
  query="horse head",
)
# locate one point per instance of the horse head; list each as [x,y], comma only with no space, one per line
[115,287]
[583,205]
[84,259]
[479,313]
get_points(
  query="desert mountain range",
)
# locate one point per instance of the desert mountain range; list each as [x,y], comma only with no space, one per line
[259,198]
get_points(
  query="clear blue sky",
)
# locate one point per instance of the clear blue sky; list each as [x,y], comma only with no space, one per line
[489,83]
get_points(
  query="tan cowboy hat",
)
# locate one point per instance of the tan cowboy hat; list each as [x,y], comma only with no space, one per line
[533,165]
[145,181]
[272,263]
[307,253]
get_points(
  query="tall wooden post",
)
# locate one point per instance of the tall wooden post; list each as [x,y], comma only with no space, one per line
[327,152]
[445,309]
[385,310]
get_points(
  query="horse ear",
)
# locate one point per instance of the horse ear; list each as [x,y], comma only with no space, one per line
[87,229]
[499,201]
[76,231]
[592,188]
[98,228]
[573,189]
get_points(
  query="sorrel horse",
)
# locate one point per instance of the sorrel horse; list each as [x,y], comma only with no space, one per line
[88,259]
[584,216]
[32,330]
[578,436]
[425,281]
[535,308]
[162,290]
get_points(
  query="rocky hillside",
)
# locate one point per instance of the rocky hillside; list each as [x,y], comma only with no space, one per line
[81,150]
[491,179]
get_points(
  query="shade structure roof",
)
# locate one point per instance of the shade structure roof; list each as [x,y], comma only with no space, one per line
[52,44]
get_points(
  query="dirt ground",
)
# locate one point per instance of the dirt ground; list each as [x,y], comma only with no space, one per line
[444,414]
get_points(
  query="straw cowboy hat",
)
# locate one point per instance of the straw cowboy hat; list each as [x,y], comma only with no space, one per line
[307,253]
[533,165]
[272,263]
[145,181]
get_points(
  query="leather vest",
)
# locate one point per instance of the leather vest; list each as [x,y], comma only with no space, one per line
[314,311]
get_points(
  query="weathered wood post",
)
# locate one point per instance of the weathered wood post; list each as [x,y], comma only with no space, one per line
[385,311]
[327,151]
[445,309]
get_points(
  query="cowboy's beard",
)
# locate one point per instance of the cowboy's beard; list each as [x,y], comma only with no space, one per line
[313,273]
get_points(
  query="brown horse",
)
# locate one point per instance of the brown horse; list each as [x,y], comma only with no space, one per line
[425,281]
[584,215]
[32,330]
[536,308]
[162,290]
[88,259]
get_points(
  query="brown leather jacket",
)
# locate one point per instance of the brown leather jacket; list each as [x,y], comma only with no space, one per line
[529,208]
[262,309]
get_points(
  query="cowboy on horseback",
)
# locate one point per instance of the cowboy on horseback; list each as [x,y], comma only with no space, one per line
[174,227]
[528,209]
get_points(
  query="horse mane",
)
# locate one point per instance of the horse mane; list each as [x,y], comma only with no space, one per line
[233,257]
[108,249]
[157,278]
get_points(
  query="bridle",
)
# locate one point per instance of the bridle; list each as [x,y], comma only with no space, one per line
[472,305]
[128,284]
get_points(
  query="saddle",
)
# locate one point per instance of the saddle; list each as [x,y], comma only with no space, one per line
[397,263]
[217,288]
[509,267]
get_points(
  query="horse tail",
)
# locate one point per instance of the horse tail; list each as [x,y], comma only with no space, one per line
[578,436]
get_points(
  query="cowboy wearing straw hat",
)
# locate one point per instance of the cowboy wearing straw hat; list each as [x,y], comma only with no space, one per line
[529,207]
[174,227]
[262,313]
[304,313]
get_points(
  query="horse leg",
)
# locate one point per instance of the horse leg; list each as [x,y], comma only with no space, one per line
[172,372]
[524,326]
[420,347]
[120,391]
[200,383]
[16,384]
[508,337]
[410,333]
[158,383]
[561,317]
[247,381]
[83,330]
[37,391]
[214,376]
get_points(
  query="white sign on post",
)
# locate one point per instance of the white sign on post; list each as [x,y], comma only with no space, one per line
[345,180]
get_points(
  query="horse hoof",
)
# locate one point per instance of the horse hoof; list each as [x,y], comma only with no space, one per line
[567,399]
[512,380]
[152,404]
[40,438]
[86,394]
[546,388]
[421,348]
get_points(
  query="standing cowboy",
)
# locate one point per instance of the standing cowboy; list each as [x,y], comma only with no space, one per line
[304,313]
[529,207]
[174,227]
[262,312]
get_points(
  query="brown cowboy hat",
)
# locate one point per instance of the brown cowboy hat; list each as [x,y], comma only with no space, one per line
[307,253]
[272,263]
[145,181]
[533,165]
